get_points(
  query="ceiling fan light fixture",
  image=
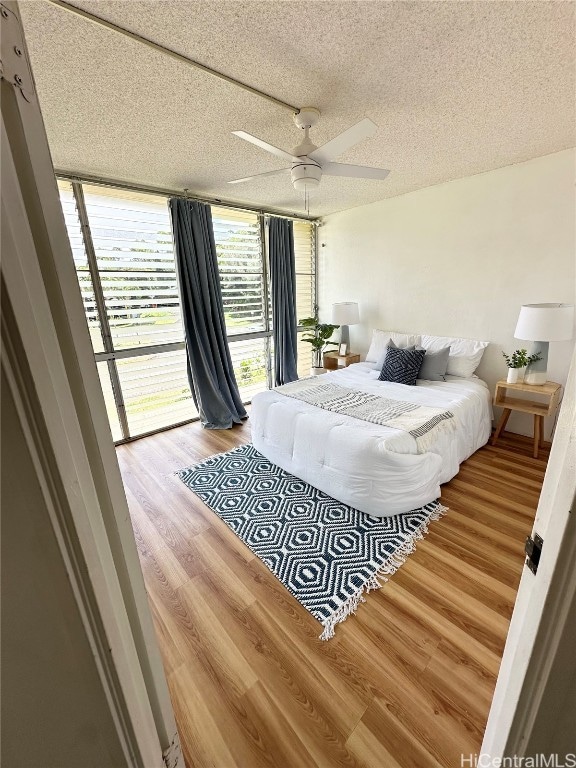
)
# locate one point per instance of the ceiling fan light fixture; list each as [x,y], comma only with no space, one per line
[306,176]
[305,185]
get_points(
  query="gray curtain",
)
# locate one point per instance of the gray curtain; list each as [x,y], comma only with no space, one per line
[283,287]
[210,371]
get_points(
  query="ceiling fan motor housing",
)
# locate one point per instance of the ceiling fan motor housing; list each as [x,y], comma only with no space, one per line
[307,117]
[305,175]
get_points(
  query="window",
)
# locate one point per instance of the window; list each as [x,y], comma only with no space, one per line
[127,275]
[243,282]
[155,391]
[305,257]
[239,251]
[81,263]
[124,256]
[132,241]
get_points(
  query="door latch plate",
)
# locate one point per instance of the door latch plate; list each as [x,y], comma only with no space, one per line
[533,549]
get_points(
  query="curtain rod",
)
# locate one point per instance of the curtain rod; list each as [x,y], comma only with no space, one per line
[169,52]
[103,182]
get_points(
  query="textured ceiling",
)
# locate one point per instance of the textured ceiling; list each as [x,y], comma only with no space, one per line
[456,88]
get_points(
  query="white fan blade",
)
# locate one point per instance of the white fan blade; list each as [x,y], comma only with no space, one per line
[260,175]
[354,171]
[264,145]
[336,147]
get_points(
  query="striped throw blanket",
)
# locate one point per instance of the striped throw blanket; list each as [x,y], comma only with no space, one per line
[421,421]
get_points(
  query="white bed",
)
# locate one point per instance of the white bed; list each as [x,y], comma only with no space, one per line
[373,468]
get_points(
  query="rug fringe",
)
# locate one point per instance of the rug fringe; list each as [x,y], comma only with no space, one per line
[382,575]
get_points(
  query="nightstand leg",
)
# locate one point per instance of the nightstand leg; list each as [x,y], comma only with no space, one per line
[538,434]
[501,424]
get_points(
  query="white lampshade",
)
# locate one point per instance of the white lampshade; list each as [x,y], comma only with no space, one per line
[545,322]
[345,313]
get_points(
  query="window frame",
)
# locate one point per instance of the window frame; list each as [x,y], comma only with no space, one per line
[110,354]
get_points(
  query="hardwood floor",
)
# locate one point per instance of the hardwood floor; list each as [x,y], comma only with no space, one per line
[406,682]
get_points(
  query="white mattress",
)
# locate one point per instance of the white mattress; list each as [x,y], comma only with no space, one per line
[372,468]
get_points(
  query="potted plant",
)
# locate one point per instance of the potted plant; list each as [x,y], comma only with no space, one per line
[517,363]
[318,335]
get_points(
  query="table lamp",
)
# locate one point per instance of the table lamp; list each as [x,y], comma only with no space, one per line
[540,324]
[344,314]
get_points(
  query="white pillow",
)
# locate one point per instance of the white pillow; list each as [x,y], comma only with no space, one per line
[380,339]
[465,354]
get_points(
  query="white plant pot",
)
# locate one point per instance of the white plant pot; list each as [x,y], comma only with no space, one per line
[316,371]
[513,376]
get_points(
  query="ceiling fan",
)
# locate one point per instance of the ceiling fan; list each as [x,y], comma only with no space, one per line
[308,162]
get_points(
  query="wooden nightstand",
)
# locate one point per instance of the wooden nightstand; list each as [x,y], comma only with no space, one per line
[332,360]
[546,406]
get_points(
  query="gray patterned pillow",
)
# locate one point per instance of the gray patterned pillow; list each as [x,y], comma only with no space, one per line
[402,365]
[391,345]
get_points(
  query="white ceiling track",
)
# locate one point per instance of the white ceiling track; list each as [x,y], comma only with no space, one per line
[168,52]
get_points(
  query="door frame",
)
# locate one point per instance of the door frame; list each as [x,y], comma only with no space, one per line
[48,354]
[540,622]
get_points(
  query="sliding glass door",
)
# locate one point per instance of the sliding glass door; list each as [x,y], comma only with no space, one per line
[124,257]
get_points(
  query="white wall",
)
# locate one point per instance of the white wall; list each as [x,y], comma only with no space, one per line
[54,709]
[459,259]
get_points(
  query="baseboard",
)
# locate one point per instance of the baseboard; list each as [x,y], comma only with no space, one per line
[528,439]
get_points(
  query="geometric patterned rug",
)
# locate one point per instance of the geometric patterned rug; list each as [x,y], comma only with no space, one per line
[326,553]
